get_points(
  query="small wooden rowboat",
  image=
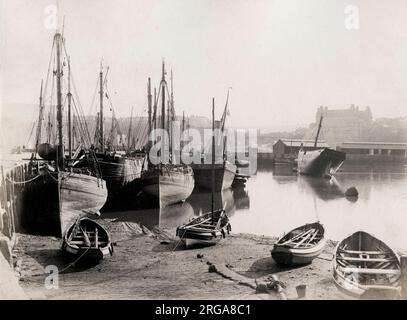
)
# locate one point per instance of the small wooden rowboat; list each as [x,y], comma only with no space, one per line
[300,246]
[87,240]
[207,229]
[364,266]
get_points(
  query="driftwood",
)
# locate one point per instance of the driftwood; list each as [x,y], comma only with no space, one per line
[269,284]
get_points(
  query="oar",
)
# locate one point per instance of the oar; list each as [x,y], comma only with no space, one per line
[221,216]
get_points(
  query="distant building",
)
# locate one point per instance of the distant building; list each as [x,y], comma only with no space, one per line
[286,148]
[339,125]
[374,151]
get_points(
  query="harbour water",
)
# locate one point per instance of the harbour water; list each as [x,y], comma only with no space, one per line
[277,200]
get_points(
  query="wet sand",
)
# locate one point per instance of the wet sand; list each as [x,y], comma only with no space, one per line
[154,265]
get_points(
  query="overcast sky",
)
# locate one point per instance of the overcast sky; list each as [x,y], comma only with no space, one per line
[282,58]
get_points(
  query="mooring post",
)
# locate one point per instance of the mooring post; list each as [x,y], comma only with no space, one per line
[403,260]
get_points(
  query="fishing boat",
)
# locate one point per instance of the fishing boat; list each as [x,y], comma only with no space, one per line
[319,162]
[121,169]
[86,240]
[211,227]
[55,194]
[225,170]
[165,181]
[300,246]
[364,266]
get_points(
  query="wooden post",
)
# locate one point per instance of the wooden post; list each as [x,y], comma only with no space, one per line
[403,260]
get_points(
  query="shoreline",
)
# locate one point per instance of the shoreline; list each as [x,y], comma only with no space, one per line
[150,264]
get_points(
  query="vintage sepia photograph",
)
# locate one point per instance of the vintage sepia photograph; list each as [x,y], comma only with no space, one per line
[209,150]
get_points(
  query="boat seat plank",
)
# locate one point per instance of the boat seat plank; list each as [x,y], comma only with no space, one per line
[367,259]
[364,252]
[371,271]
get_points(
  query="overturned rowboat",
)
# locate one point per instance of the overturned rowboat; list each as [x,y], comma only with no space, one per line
[86,240]
[365,267]
[207,229]
[300,246]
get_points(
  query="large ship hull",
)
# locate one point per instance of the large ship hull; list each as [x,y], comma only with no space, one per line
[224,175]
[318,163]
[168,184]
[54,200]
[122,175]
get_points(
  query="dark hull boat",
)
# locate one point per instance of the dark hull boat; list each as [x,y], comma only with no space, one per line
[300,246]
[168,184]
[207,229]
[364,266]
[318,163]
[54,200]
[87,241]
[224,175]
[122,175]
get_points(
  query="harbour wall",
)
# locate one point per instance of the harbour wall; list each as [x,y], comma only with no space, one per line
[10,207]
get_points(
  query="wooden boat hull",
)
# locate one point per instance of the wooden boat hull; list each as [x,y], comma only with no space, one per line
[286,254]
[224,175]
[318,163]
[168,185]
[87,254]
[54,200]
[357,268]
[122,175]
[192,234]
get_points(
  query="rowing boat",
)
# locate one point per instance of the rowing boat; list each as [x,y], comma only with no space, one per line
[364,266]
[300,246]
[86,240]
[207,229]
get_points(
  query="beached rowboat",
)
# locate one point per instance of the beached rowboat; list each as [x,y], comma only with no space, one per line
[300,246]
[364,266]
[207,229]
[87,240]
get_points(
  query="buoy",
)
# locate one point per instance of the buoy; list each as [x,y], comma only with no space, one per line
[351,192]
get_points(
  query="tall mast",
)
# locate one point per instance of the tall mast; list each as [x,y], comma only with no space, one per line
[155,108]
[129,143]
[181,145]
[163,98]
[101,134]
[319,129]
[213,157]
[39,125]
[58,40]
[69,111]
[149,97]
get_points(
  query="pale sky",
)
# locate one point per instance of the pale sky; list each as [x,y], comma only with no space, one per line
[283,58]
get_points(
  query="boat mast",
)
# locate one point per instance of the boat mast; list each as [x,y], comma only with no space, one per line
[163,98]
[58,40]
[41,112]
[101,138]
[319,128]
[130,131]
[213,158]
[149,97]
[69,111]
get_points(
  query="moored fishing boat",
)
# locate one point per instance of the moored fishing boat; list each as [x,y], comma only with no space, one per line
[120,169]
[225,170]
[165,181]
[364,266]
[300,246]
[319,162]
[56,193]
[87,241]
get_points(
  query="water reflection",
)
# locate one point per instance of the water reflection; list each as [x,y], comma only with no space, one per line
[325,189]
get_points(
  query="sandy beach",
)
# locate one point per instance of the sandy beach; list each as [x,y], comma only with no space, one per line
[152,264]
